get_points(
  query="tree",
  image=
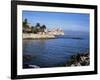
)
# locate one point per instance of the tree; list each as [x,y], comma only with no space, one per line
[34,29]
[37,25]
[42,28]
[25,23]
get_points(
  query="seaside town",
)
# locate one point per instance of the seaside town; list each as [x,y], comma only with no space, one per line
[39,31]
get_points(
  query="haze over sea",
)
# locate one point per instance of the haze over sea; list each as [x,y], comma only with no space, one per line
[56,52]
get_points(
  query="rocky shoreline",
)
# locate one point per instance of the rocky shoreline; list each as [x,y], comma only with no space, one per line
[37,36]
[79,60]
[82,59]
[43,35]
[28,58]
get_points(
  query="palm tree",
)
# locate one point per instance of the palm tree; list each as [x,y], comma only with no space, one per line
[37,25]
[42,28]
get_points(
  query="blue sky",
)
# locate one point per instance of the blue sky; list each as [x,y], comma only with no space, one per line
[66,21]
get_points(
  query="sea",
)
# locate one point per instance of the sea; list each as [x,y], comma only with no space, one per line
[55,52]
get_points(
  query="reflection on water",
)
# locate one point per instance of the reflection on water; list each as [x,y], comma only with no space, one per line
[54,52]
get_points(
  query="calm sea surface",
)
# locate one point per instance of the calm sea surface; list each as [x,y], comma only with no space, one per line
[55,52]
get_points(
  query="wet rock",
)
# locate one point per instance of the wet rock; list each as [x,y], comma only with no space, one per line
[79,60]
[34,66]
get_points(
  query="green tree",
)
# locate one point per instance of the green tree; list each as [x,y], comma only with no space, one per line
[37,25]
[34,29]
[43,27]
[25,23]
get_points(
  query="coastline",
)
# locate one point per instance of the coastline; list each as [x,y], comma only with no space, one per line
[40,36]
[37,36]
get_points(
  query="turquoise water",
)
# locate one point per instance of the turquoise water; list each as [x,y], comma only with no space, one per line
[55,52]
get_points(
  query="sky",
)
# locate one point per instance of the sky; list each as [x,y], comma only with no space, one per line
[65,21]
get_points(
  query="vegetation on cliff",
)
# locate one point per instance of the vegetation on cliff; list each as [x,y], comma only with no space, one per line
[33,29]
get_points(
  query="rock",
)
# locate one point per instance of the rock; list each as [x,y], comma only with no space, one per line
[34,66]
[79,60]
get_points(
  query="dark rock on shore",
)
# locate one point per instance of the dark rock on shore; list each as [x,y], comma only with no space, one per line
[79,60]
[30,66]
[26,60]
